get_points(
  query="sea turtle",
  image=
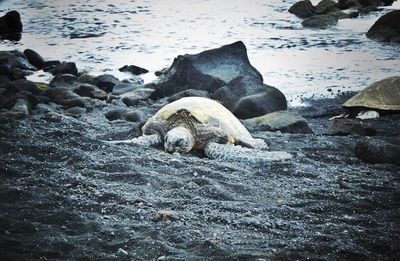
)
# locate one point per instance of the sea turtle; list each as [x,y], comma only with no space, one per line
[380,97]
[201,123]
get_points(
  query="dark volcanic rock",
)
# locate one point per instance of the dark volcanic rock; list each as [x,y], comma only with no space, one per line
[10,23]
[64,80]
[135,70]
[326,6]
[248,97]
[124,87]
[302,9]
[134,97]
[386,28]
[189,93]
[377,151]
[35,59]
[320,21]
[65,97]
[343,127]
[207,71]
[105,82]
[92,91]
[284,121]
[65,68]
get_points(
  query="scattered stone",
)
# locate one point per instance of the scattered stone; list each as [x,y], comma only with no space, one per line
[10,23]
[115,114]
[326,6]
[64,80]
[132,98]
[283,121]
[344,127]
[122,252]
[92,91]
[377,151]
[86,78]
[22,107]
[64,68]
[122,87]
[386,28]
[320,21]
[134,116]
[208,70]
[105,82]
[165,215]
[49,65]
[25,85]
[65,97]
[247,97]
[161,72]
[34,58]
[135,70]
[302,9]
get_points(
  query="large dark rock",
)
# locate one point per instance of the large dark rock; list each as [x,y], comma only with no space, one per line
[207,71]
[65,97]
[326,6]
[386,28]
[248,97]
[34,58]
[302,9]
[283,121]
[10,23]
[344,127]
[105,82]
[377,151]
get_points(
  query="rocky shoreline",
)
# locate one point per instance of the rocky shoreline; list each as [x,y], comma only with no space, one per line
[65,194]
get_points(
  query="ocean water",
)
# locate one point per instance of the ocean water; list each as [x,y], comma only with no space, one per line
[102,36]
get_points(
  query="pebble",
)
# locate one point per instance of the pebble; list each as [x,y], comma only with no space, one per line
[122,252]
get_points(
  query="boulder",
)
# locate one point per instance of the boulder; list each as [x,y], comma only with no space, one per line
[35,59]
[344,127]
[320,21]
[302,9]
[105,82]
[386,28]
[208,70]
[134,97]
[283,121]
[10,23]
[135,70]
[64,68]
[64,80]
[247,97]
[65,97]
[377,151]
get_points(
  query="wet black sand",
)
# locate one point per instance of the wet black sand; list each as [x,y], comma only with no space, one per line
[66,195]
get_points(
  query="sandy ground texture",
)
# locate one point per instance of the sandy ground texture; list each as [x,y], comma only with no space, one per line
[64,194]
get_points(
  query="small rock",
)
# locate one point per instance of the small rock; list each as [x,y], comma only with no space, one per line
[115,114]
[326,6]
[92,91]
[122,87]
[86,78]
[65,81]
[135,70]
[377,151]
[284,121]
[105,82]
[23,107]
[122,252]
[134,116]
[302,9]
[320,21]
[64,68]
[10,23]
[165,215]
[161,72]
[134,97]
[188,93]
[344,127]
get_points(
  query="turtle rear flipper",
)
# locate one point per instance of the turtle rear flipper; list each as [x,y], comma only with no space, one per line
[252,143]
[145,140]
[231,152]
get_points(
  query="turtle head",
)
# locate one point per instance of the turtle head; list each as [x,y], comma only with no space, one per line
[178,139]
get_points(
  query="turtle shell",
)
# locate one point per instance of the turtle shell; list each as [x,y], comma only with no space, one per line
[381,95]
[206,111]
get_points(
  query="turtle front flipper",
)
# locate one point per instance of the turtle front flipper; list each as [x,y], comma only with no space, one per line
[145,140]
[231,152]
